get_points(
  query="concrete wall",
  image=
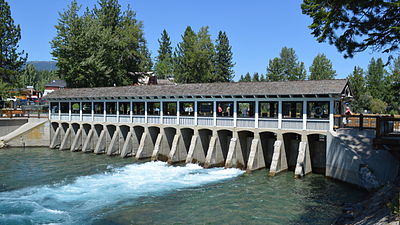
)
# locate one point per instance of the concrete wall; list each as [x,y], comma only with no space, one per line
[351,158]
[35,133]
[9,125]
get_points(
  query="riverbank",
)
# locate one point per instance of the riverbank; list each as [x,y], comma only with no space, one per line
[381,207]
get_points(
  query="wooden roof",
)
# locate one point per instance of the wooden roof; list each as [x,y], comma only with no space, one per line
[306,87]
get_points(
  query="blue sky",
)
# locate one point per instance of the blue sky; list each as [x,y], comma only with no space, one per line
[257,29]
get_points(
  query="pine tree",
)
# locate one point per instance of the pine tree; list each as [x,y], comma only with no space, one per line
[164,62]
[185,58]
[262,77]
[224,58]
[286,67]
[357,83]
[275,70]
[103,47]
[375,79]
[205,55]
[321,68]
[256,77]
[11,60]
[247,77]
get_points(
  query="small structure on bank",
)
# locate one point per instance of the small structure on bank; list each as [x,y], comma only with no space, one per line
[250,125]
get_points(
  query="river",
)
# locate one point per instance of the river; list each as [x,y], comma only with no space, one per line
[43,186]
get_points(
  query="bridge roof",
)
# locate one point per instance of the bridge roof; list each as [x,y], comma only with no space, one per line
[306,87]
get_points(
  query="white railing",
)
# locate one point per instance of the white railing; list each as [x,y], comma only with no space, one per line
[169,119]
[153,119]
[54,116]
[317,124]
[245,122]
[205,121]
[124,118]
[186,120]
[87,117]
[111,118]
[75,117]
[268,123]
[64,116]
[224,122]
[98,117]
[296,124]
[138,119]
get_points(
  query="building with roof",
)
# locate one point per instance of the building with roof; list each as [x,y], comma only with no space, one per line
[54,85]
[243,124]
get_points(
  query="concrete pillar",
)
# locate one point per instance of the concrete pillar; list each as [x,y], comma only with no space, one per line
[279,161]
[101,142]
[303,165]
[196,152]
[235,154]
[66,141]
[113,147]
[146,146]
[161,149]
[214,156]
[87,142]
[256,157]
[56,138]
[77,141]
[178,151]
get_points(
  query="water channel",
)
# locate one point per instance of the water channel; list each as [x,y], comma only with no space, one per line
[43,186]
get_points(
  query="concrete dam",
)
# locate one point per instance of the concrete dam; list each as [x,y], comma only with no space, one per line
[252,125]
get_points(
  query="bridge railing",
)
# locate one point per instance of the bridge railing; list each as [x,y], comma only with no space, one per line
[23,113]
[361,121]
[388,127]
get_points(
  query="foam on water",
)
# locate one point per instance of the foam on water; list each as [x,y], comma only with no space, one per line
[89,196]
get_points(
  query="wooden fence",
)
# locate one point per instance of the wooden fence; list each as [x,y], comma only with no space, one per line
[11,113]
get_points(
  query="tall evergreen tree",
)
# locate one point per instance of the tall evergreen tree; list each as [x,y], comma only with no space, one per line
[256,77]
[185,68]
[164,62]
[375,79]
[357,83]
[321,68]
[275,70]
[224,59]
[11,60]
[103,47]
[194,57]
[286,67]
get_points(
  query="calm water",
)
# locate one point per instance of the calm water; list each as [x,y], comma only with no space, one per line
[42,186]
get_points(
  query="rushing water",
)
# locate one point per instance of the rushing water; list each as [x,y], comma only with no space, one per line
[42,186]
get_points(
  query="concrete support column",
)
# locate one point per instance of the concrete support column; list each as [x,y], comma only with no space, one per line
[117,112]
[80,111]
[304,115]
[195,113]
[178,112]
[235,113]
[105,112]
[92,111]
[256,115]
[145,112]
[214,113]
[69,111]
[130,112]
[279,114]
[331,113]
